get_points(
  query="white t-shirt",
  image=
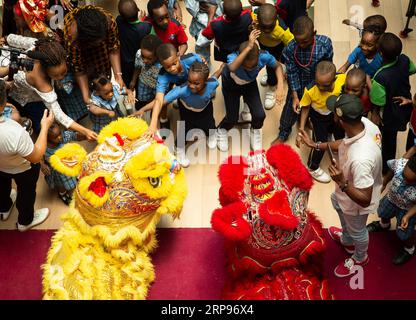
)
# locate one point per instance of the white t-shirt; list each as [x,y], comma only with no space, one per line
[360,158]
[15,144]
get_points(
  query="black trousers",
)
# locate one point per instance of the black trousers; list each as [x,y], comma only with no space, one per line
[277,53]
[203,120]
[232,93]
[26,193]
[389,145]
[323,125]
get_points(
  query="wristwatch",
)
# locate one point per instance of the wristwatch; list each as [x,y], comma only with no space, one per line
[317,144]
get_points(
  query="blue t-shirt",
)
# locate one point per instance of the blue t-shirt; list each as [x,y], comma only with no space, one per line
[265,59]
[358,58]
[165,78]
[192,101]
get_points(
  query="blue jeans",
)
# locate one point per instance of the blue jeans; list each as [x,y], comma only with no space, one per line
[354,231]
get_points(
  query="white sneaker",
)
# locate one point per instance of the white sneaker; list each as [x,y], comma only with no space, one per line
[39,216]
[256,139]
[5,215]
[245,115]
[222,140]
[212,140]
[263,80]
[182,159]
[320,175]
[270,100]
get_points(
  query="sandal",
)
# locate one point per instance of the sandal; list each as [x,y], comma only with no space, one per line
[65,197]
[375,226]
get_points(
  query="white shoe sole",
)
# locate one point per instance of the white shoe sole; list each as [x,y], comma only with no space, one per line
[32,225]
[5,215]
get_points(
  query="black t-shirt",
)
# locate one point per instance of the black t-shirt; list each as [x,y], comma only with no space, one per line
[131,36]
[290,10]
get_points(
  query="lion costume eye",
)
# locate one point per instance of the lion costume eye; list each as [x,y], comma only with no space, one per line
[155,182]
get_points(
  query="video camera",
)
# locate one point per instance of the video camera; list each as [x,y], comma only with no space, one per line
[16,62]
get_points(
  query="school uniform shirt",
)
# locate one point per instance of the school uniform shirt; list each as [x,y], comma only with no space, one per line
[228,34]
[146,85]
[131,35]
[280,34]
[192,101]
[392,80]
[174,33]
[165,78]
[243,76]
[112,105]
[316,98]
[361,163]
[370,66]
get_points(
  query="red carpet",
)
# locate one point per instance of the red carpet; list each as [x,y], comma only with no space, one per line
[190,265]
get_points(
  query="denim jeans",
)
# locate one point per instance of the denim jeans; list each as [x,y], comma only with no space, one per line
[354,231]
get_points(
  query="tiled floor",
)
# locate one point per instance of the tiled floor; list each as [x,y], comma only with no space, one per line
[202,178]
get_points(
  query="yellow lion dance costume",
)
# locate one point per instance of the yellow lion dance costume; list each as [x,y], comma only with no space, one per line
[125,184]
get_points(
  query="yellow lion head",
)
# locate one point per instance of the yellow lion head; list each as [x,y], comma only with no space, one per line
[126,179]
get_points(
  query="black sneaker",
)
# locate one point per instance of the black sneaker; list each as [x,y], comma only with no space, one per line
[375,226]
[164,129]
[402,257]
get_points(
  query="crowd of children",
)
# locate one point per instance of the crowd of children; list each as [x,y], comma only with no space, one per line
[156,68]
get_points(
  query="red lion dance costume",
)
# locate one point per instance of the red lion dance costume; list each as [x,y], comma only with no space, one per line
[274,244]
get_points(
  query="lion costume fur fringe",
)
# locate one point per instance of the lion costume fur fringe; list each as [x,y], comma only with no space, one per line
[125,184]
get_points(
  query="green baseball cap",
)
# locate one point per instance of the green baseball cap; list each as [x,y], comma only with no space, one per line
[347,106]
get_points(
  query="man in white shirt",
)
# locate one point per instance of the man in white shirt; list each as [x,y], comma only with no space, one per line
[358,175]
[19,161]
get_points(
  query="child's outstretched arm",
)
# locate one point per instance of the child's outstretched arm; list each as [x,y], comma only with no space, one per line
[147,107]
[178,12]
[133,82]
[157,107]
[344,67]
[217,74]
[233,66]
[101,111]
[356,25]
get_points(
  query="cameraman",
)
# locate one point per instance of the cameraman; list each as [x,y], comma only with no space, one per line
[19,161]
[32,90]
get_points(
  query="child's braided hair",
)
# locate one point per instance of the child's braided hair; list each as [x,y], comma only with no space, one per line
[200,67]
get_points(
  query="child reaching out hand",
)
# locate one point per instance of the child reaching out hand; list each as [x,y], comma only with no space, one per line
[105,98]
[55,180]
[195,105]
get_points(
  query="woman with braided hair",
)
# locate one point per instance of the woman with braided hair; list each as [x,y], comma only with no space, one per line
[195,105]
[92,41]
[33,91]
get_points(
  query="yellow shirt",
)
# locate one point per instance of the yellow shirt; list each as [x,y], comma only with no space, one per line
[316,98]
[278,35]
